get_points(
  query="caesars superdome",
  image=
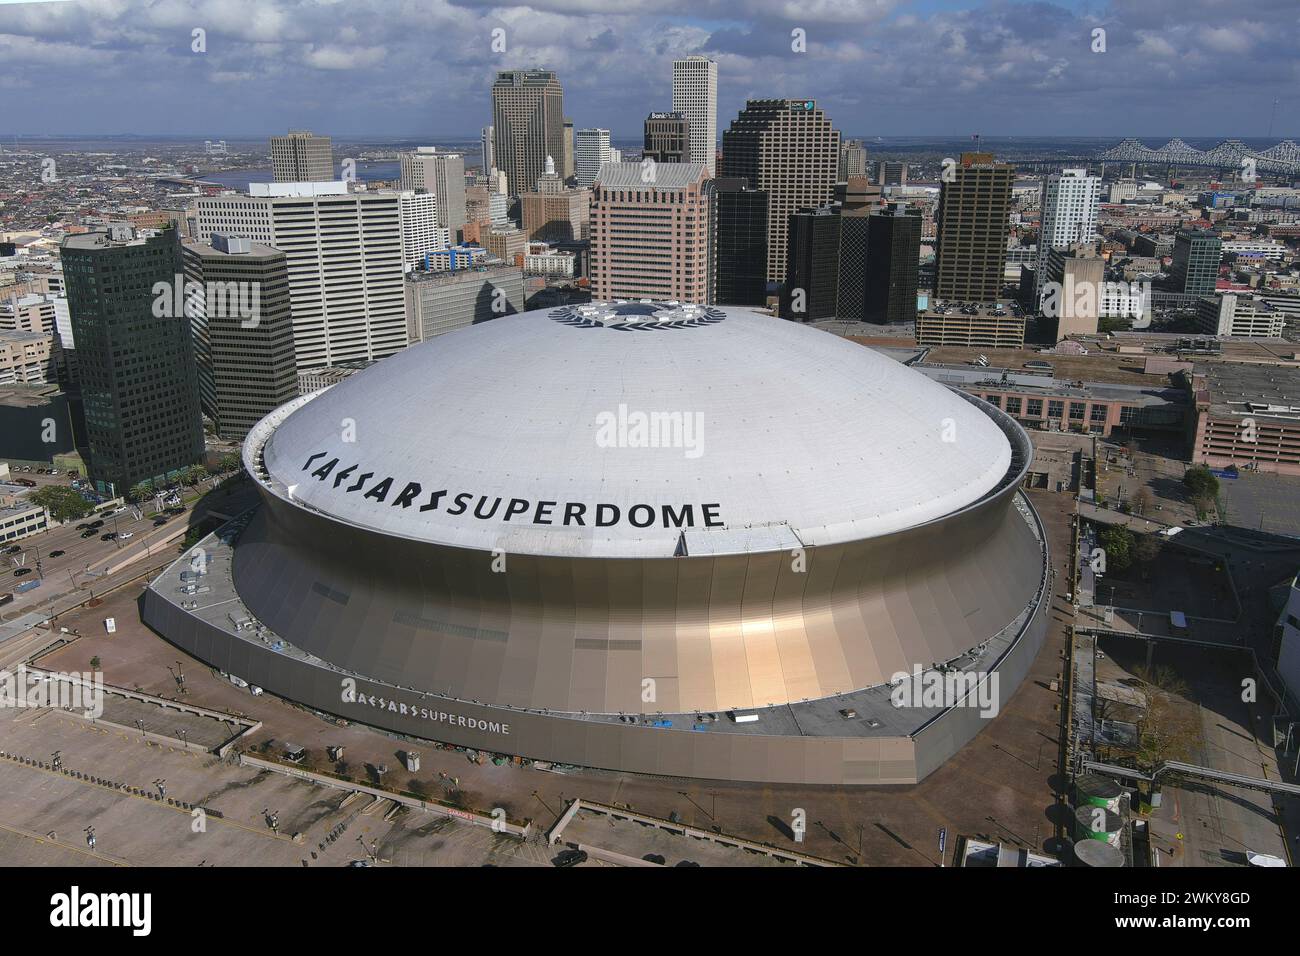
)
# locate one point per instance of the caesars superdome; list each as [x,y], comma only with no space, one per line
[682,540]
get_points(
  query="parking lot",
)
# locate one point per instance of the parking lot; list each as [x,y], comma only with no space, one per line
[1263,502]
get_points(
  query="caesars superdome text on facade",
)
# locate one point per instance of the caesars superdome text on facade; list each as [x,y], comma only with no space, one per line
[386,491]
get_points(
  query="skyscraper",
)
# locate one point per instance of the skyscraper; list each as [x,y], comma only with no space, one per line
[1068,207]
[566,161]
[737,244]
[244,355]
[972,223]
[1195,266]
[853,160]
[420,230]
[302,157]
[527,124]
[893,251]
[139,379]
[811,290]
[667,138]
[485,149]
[429,169]
[788,149]
[650,240]
[591,151]
[344,253]
[695,96]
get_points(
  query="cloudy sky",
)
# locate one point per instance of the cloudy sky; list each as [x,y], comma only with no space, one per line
[422,68]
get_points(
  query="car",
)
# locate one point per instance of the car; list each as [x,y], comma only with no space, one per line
[83,526]
[108,537]
[95,524]
[21,571]
[56,553]
[14,550]
[159,521]
[570,858]
[126,534]
[88,533]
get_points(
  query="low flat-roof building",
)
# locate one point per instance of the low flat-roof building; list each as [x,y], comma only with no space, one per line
[972,326]
[1246,415]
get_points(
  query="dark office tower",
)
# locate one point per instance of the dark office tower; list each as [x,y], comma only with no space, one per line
[972,222]
[1195,268]
[738,244]
[894,244]
[139,380]
[812,265]
[667,138]
[238,306]
[527,126]
[788,149]
[302,157]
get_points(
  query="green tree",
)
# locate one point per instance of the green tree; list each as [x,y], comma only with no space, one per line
[1117,542]
[63,503]
[94,663]
[1200,482]
[229,462]
[140,492]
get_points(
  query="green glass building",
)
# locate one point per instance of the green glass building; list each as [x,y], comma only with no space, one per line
[139,380]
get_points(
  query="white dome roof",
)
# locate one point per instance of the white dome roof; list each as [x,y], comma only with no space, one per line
[779,436]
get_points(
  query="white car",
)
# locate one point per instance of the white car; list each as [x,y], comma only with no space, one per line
[126,534]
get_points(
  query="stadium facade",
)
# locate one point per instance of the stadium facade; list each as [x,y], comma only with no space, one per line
[654,538]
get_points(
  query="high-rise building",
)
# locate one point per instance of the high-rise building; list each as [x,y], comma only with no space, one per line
[505,244]
[302,157]
[695,96]
[1195,266]
[1068,207]
[485,150]
[441,302]
[430,170]
[566,161]
[421,232]
[527,124]
[737,244]
[667,138]
[788,149]
[972,221]
[650,240]
[238,305]
[811,288]
[344,254]
[893,254]
[591,151]
[553,213]
[853,160]
[135,353]
[891,174]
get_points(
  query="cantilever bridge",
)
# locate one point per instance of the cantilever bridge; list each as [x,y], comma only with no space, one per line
[1284,158]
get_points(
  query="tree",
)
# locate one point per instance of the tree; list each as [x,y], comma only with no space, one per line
[229,462]
[1117,542]
[94,663]
[1148,548]
[1200,482]
[63,503]
[140,491]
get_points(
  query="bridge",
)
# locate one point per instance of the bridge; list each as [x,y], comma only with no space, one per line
[1283,159]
